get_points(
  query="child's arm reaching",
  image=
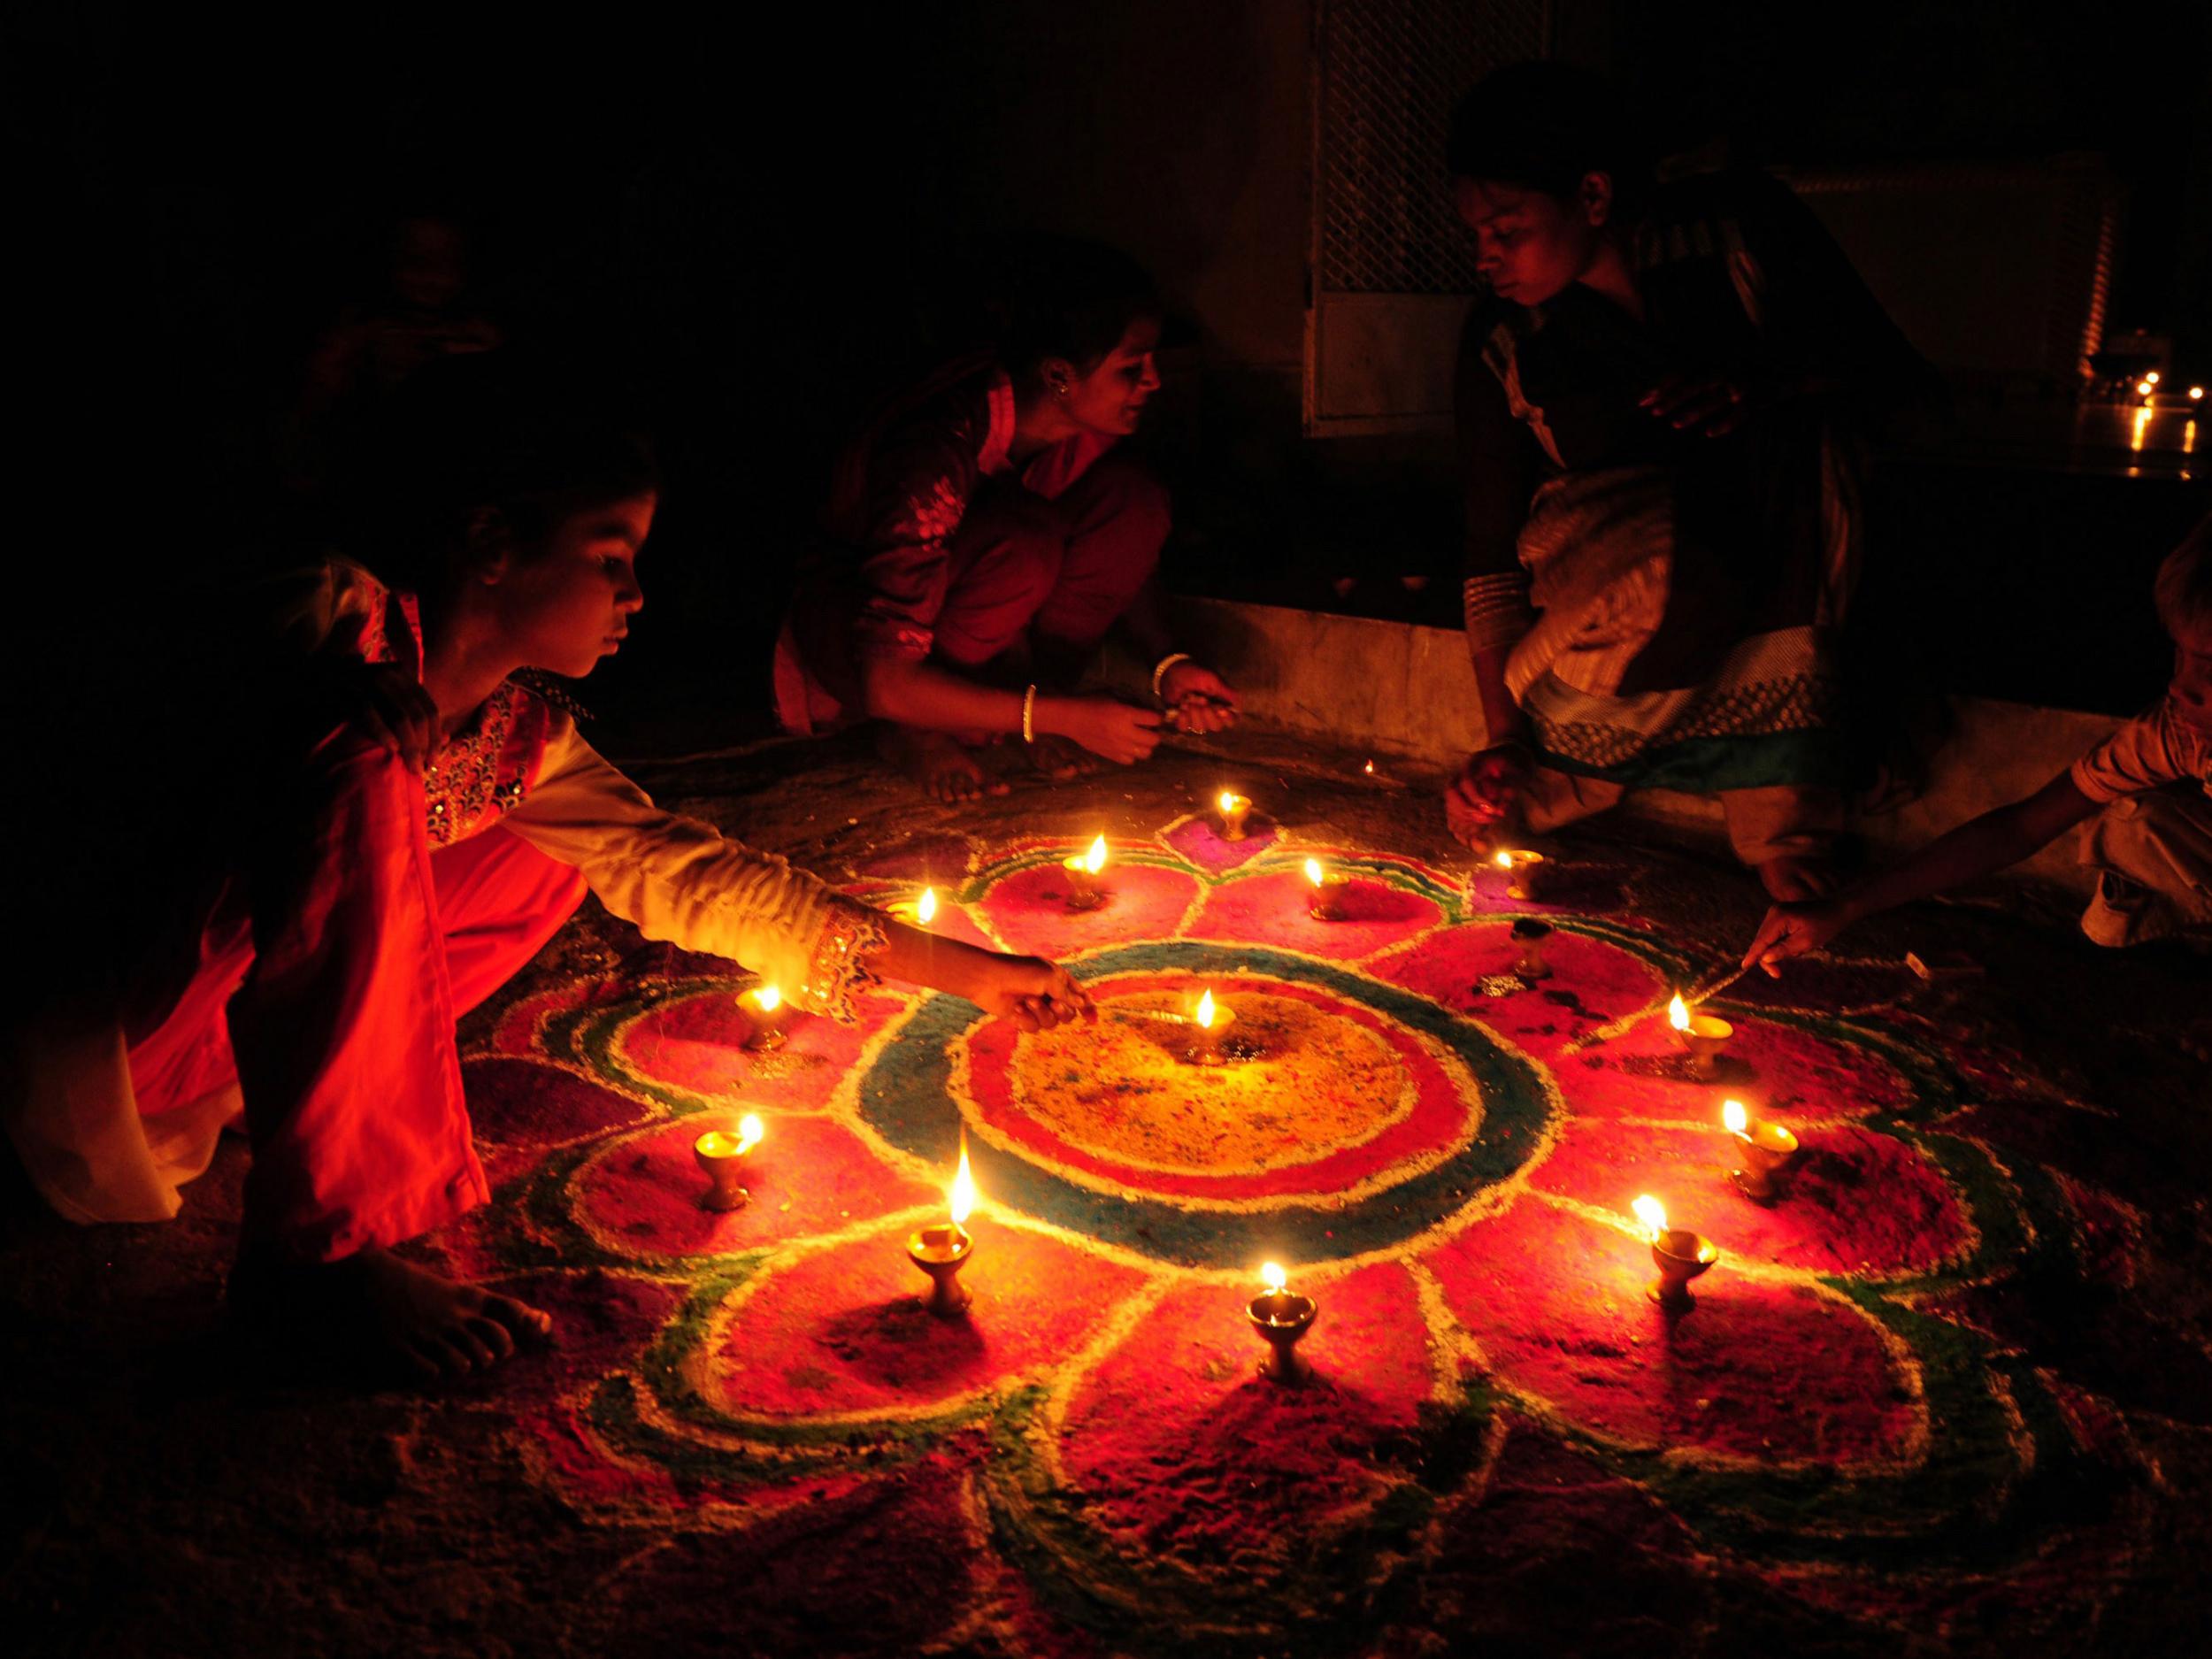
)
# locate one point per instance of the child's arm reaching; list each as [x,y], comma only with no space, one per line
[1980,846]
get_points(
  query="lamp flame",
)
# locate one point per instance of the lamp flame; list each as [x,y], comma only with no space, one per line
[2143,386]
[1678,1013]
[1313,870]
[2150,377]
[767,998]
[925,907]
[2196,392]
[1228,801]
[1653,1214]
[1370,767]
[749,1132]
[1733,1114]
[1206,1011]
[963,1192]
[1272,1276]
[1094,860]
[1504,861]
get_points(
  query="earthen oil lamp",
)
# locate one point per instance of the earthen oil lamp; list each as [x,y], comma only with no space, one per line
[1325,903]
[1523,873]
[1083,890]
[921,910]
[770,1018]
[722,1156]
[1233,808]
[942,1251]
[1679,1254]
[1766,1149]
[1702,1036]
[1281,1319]
[1213,1020]
[1530,934]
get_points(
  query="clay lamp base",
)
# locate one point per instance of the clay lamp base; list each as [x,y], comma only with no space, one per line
[1231,810]
[769,1015]
[1282,1319]
[1766,1149]
[1530,934]
[1680,1256]
[1524,873]
[1213,1024]
[1704,1040]
[1084,893]
[941,1251]
[1325,903]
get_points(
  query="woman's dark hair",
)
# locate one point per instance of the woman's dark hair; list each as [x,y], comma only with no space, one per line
[492,429]
[1072,299]
[1544,126]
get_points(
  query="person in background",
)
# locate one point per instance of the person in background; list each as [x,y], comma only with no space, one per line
[986,536]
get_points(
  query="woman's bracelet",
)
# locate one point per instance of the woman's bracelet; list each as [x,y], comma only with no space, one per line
[1160,674]
[1029,715]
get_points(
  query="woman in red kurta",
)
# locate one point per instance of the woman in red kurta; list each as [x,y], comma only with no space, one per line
[987,539]
[386,897]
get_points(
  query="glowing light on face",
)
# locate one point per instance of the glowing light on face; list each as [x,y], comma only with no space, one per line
[963,1193]
[1678,1013]
[1094,860]
[1733,1114]
[925,908]
[1272,1276]
[767,998]
[1313,870]
[1206,1011]
[1653,1214]
[749,1131]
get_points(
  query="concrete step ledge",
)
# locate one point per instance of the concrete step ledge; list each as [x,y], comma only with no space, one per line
[1409,692]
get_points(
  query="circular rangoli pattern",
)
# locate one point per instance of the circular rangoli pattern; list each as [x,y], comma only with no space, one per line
[1411,1129]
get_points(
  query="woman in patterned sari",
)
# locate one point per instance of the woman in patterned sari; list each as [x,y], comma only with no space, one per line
[1657,407]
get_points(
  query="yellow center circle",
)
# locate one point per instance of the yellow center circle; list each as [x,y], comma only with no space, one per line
[1296,1082]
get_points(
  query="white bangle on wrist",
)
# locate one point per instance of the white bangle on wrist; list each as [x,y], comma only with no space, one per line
[1160,672]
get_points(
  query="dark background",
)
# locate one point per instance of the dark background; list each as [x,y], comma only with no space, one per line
[761,223]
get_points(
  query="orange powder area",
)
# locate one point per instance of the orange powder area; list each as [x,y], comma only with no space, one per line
[1123,1088]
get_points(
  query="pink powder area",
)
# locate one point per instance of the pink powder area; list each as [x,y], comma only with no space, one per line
[1439,1117]
[533,1104]
[1270,909]
[1773,1372]
[1592,982]
[516,1033]
[1029,908]
[696,1043]
[844,1329]
[1187,1453]
[1856,1201]
[1795,1076]
[881,1566]
[807,1176]
[1828,987]
[1199,840]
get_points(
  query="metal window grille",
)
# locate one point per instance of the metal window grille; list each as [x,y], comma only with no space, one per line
[1390,72]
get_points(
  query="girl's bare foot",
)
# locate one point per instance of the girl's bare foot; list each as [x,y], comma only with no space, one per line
[946,771]
[382,1311]
[1060,760]
[1795,877]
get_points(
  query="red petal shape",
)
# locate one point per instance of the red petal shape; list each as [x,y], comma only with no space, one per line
[1759,1370]
[1029,908]
[843,1329]
[1198,838]
[1856,1201]
[1188,1453]
[695,1043]
[1592,982]
[1270,907]
[530,1104]
[808,1176]
[1797,1076]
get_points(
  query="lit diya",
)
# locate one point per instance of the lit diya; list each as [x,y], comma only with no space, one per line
[722,1156]
[1325,903]
[1523,873]
[942,1251]
[1530,934]
[1702,1036]
[1213,1020]
[921,910]
[1679,1254]
[1082,872]
[1282,1319]
[1766,1149]
[771,1015]
[1232,809]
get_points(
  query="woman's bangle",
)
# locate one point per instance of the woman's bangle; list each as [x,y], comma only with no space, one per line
[1029,715]
[1160,674]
